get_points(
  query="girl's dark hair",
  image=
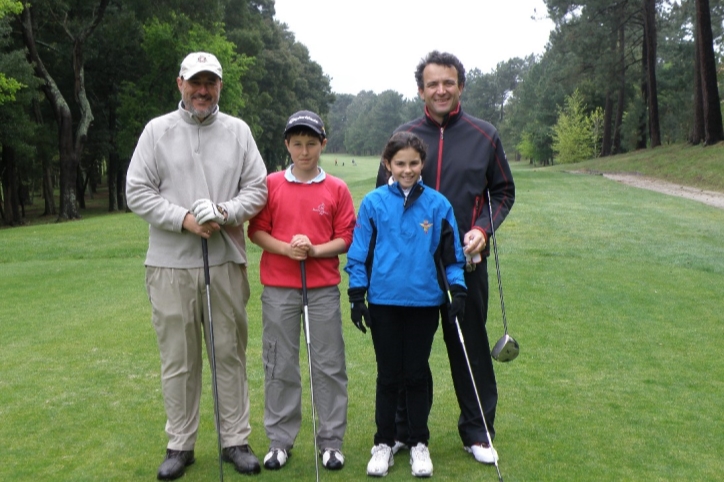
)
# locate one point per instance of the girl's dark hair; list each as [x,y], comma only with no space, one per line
[403,140]
[445,59]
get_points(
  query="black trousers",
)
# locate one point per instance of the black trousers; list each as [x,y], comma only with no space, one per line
[402,337]
[470,422]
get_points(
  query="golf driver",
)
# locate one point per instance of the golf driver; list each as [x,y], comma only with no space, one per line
[506,349]
[470,371]
[205,250]
[305,302]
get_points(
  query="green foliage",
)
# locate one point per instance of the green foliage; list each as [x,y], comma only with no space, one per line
[573,137]
[371,121]
[165,44]
[10,7]
[8,88]
[526,147]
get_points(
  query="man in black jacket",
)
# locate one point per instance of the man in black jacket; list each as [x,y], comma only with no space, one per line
[466,161]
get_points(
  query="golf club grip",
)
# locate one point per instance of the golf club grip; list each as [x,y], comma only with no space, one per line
[205,251]
[303,268]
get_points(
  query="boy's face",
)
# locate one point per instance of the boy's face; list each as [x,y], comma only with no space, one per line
[305,151]
[405,166]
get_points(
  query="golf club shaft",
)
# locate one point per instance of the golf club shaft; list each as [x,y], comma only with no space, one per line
[497,263]
[207,278]
[470,369]
[307,337]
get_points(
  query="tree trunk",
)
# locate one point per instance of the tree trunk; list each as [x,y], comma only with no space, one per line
[69,149]
[650,42]
[697,134]
[112,176]
[621,90]
[642,140]
[713,130]
[80,186]
[10,187]
[607,115]
[113,157]
[48,195]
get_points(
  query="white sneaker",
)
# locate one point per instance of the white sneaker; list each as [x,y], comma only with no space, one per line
[420,461]
[483,453]
[399,446]
[275,459]
[382,459]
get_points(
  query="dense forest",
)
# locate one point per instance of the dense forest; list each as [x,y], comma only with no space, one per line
[79,79]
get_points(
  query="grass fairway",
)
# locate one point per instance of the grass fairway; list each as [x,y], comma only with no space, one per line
[614,293]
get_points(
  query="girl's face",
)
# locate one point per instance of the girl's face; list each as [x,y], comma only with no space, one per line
[405,166]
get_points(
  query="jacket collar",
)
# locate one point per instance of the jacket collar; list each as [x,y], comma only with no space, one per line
[450,118]
[414,194]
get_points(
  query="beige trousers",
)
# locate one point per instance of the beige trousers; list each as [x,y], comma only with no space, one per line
[179,305]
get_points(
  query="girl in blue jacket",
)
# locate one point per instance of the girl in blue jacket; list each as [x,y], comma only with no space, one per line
[404,232]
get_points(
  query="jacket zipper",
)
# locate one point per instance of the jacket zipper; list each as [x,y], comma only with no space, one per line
[439,158]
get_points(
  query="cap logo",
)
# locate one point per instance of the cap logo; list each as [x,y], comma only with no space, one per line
[302,117]
[202,58]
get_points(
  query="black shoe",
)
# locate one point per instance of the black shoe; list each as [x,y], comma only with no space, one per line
[175,463]
[243,459]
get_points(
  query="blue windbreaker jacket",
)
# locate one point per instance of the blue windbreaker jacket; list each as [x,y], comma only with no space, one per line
[398,244]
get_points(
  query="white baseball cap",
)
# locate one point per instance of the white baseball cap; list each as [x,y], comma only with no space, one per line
[199,62]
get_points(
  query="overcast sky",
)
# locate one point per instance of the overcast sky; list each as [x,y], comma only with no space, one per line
[376,44]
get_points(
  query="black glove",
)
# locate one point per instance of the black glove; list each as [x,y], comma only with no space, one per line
[359,308]
[457,304]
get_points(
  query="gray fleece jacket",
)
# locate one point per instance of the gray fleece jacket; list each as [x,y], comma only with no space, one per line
[179,160]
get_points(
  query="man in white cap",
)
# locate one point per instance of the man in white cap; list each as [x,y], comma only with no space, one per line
[197,173]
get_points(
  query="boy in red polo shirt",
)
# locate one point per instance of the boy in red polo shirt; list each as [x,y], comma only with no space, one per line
[309,217]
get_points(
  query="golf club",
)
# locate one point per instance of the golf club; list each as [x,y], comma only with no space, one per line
[205,250]
[506,349]
[470,371]
[305,302]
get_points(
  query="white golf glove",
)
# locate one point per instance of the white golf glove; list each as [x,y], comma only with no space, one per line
[205,210]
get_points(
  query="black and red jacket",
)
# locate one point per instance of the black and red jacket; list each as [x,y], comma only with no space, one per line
[465,157]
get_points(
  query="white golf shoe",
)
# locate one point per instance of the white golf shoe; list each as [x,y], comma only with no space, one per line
[382,459]
[483,453]
[332,459]
[420,461]
[275,459]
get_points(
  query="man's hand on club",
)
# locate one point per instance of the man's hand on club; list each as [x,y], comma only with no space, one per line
[205,210]
[359,308]
[204,231]
[457,304]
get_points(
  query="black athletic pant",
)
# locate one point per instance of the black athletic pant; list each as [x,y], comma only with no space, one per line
[402,338]
[470,423]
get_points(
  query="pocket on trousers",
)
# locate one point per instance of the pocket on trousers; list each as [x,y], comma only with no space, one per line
[270,358]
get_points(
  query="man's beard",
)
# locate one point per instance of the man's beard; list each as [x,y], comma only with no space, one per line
[201,114]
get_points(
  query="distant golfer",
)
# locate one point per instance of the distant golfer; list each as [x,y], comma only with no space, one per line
[405,231]
[196,173]
[309,217]
[466,158]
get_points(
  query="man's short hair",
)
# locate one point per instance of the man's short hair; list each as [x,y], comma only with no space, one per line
[440,58]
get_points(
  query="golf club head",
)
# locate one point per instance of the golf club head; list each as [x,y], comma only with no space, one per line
[506,349]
